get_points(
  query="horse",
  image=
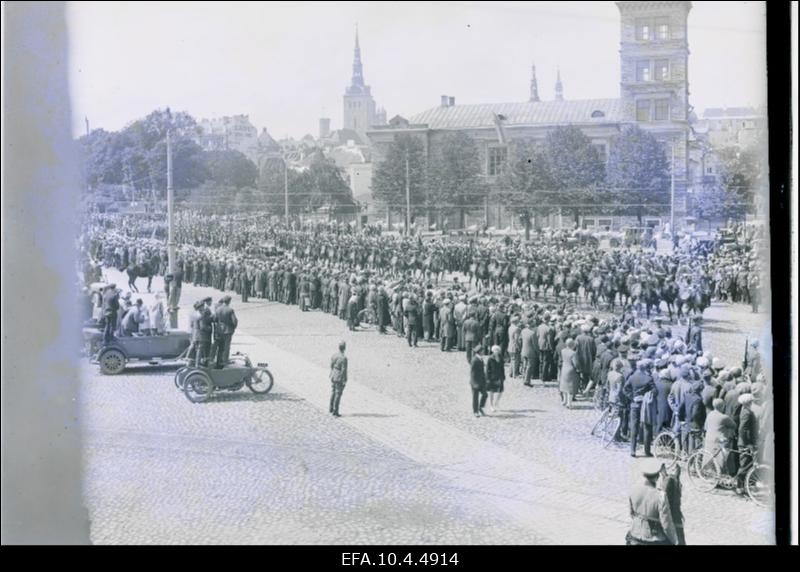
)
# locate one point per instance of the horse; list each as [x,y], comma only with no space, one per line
[142,270]
[573,286]
[669,293]
[592,289]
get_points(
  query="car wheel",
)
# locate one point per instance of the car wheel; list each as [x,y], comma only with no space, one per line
[112,362]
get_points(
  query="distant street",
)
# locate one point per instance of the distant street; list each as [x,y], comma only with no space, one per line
[279,469]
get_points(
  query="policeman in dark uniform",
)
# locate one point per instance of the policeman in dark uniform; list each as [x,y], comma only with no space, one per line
[652,523]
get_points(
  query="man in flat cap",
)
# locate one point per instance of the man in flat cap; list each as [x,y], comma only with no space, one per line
[637,391]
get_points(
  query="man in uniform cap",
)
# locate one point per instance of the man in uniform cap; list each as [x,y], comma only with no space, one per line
[651,516]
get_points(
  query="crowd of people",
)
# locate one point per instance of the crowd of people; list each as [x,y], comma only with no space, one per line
[507,307]
[507,324]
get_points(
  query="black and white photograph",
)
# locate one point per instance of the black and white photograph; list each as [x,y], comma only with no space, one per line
[423,274]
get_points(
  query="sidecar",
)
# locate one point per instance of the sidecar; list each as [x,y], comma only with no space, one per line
[114,356]
[200,383]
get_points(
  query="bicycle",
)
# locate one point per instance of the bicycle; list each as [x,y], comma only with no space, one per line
[706,473]
[667,445]
[607,426]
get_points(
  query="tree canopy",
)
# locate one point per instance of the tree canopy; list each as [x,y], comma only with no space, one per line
[454,176]
[389,178]
[638,173]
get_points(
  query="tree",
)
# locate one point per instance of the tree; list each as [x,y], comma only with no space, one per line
[454,176]
[323,185]
[232,168]
[389,179]
[137,155]
[638,174]
[575,168]
[526,184]
[271,184]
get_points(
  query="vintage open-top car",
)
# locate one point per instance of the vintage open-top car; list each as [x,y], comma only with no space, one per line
[114,356]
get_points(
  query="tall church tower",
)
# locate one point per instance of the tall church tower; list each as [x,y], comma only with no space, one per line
[534,86]
[559,86]
[654,87]
[359,107]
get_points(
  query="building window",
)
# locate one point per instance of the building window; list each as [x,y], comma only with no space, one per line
[643,110]
[497,158]
[643,31]
[604,222]
[602,151]
[662,29]
[662,110]
[643,70]
[588,222]
[710,170]
[662,70]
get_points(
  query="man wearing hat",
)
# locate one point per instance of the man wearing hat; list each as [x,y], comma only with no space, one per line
[447,328]
[338,377]
[585,354]
[651,517]
[694,335]
[110,309]
[471,333]
[637,390]
[477,381]
[546,333]
[226,324]
[459,314]
[412,315]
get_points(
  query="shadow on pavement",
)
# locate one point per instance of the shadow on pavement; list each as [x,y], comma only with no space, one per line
[249,396]
[375,415]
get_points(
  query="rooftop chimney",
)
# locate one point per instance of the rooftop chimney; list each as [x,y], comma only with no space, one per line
[444,101]
[452,101]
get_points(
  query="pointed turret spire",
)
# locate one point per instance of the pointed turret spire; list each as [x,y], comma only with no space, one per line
[534,85]
[559,87]
[358,72]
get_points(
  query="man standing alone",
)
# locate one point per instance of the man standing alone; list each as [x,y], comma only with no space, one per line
[338,378]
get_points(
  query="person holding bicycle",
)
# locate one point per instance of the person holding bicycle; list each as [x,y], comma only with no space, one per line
[748,439]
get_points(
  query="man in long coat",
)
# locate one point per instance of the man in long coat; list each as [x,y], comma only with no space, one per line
[585,353]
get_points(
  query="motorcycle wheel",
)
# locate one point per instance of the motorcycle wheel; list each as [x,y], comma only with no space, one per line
[260,381]
[198,387]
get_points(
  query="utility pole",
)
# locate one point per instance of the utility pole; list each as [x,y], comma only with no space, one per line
[672,193]
[286,190]
[408,199]
[174,292]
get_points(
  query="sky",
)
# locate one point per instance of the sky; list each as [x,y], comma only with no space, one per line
[286,64]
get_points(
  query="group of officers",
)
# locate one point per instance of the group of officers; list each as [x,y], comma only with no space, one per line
[212,331]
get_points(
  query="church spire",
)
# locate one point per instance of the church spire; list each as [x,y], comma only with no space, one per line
[358,72]
[559,87]
[534,85]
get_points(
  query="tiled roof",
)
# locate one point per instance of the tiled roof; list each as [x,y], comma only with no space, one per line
[526,113]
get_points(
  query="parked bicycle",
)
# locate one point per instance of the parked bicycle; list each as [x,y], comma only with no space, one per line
[707,471]
[607,426]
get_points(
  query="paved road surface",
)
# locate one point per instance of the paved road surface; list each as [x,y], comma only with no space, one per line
[407,462]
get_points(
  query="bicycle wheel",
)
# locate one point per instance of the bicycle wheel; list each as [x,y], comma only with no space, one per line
[758,485]
[665,447]
[598,426]
[609,431]
[704,472]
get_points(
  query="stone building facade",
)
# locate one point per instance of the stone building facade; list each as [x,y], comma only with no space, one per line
[654,94]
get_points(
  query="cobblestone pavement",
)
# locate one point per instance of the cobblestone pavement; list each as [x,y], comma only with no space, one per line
[528,474]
